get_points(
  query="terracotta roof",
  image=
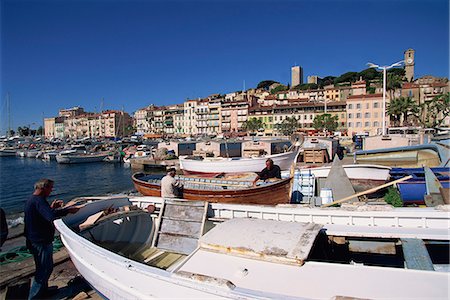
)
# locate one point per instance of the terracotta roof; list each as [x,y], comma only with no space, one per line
[366,96]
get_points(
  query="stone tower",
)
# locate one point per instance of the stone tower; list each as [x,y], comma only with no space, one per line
[296,75]
[409,64]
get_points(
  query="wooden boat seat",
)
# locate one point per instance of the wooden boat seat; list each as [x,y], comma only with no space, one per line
[158,258]
[181,225]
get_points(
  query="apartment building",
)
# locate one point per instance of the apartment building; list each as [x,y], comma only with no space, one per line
[233,115]
[365,114]
[214,118]
[190,117]
[202,116]
[49,128]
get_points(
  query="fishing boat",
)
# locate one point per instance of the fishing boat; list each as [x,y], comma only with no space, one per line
[409,156]
[182,253]
[218,165]
[362,177]
[219,190]
[76,158]
[414,190]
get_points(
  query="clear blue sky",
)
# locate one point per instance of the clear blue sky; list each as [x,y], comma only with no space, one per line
[60,54]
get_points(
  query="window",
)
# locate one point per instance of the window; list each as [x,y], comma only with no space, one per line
[367,105]
[350,106]
[310,117]
[375,115]
[358,115]
[358,106]
[376,124]
[342,116]
[358,124]
[350,124]
[375,105]
[367,115]
[350,115]
[305,117]
[366,124]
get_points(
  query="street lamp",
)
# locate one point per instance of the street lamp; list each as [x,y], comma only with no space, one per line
[384,68]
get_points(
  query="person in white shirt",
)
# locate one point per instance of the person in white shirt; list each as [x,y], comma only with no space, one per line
[170,187]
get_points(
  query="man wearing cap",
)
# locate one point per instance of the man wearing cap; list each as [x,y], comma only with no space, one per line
[170,187]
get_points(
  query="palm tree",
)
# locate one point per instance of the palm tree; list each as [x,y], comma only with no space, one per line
[400,109]
[433,113]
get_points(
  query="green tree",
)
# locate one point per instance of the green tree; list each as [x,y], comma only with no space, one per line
[326,122]
[40,131]
[288,126]
[265,84]
[432,113]
[279,88]
[402,110]
[370,74]
[347,77]
[253,125]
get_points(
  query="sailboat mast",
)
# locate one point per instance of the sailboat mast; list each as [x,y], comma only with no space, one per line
[8,109]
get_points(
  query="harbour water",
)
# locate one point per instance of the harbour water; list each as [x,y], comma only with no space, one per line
[18,175]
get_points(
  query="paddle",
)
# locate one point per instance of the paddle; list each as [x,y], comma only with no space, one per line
[368,191]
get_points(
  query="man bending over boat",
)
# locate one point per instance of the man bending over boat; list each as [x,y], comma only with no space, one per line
[170,187]
[270,171]
[39,234]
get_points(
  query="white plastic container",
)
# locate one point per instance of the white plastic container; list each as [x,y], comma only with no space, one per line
[326,195]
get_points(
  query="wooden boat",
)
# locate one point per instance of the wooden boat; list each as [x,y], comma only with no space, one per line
[414,190]
[218,165]
[77,158]
[219,190]
[410,156]
[135,254]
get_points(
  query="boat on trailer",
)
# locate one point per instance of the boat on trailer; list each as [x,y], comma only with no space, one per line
[180,252]
[219,190]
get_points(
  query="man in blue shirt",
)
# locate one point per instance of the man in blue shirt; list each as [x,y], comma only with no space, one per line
[39,233]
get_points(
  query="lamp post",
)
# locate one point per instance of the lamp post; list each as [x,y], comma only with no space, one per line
[384,68]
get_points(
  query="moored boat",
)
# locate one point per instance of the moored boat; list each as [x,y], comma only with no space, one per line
[77,158]
[409,156]
[7,151]
[219,190]
[130,255]
[414,190]
[218,165]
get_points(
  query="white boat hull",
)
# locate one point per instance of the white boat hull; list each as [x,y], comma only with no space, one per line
[362,172]
[237,165]
[76,159]
[118,277]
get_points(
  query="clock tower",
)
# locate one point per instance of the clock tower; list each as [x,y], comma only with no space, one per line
[409,64]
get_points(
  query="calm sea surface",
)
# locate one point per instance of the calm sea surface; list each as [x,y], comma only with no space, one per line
[18,175]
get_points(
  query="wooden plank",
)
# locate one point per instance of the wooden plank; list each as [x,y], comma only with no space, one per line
[369,191]
[177,244]
[183,212]
[14,272]
[416,255]
[177,226]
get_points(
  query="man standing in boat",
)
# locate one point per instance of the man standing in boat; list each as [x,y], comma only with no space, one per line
[39,234]
[270,171]
[170,187]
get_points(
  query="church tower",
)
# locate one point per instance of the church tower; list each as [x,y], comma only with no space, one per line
[409,64]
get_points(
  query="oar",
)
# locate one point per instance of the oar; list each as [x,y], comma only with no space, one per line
[368,191]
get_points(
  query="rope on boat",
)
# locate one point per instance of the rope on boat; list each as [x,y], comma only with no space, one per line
[21,253]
